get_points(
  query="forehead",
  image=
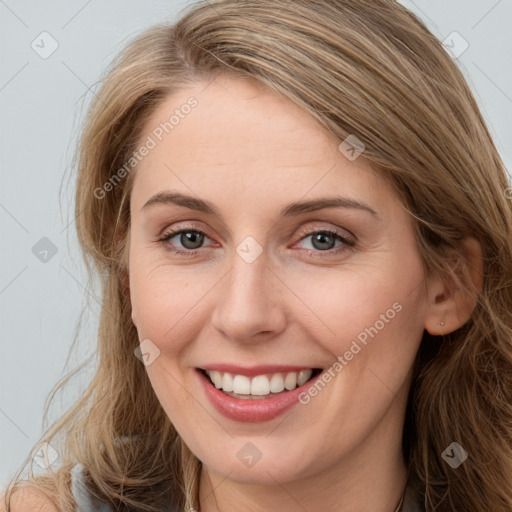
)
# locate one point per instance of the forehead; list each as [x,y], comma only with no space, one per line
[242,140]
[239,116]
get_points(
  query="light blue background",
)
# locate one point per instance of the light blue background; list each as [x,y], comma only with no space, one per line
[41,112]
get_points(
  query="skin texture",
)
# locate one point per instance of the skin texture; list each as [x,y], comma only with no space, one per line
[28,499]
[251,153]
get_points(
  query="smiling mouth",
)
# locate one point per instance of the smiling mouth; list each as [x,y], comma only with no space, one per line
[260,386]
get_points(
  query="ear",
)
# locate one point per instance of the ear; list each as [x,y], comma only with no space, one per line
[449,305]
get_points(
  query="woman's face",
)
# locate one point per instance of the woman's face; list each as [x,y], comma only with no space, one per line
[260,251]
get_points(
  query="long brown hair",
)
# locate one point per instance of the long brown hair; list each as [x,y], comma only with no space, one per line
[368,68]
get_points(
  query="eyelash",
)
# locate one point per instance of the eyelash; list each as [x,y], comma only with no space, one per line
[348,244]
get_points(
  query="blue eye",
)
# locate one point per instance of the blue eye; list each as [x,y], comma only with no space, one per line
[323,241]
[191,239]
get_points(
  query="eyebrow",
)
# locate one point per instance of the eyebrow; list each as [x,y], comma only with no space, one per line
[293,209]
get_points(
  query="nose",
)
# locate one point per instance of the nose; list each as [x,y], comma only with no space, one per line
[250,304]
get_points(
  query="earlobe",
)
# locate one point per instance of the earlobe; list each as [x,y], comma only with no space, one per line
[452,303]
[439,308]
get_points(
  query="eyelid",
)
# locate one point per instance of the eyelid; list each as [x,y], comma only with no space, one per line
[189,225]
[329,229]
[303,232]
[348,243]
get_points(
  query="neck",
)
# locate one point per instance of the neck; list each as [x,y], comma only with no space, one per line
[371,477]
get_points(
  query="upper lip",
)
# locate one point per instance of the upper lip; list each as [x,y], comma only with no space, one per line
[253,371]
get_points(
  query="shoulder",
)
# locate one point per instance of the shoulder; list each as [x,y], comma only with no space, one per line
[28,499]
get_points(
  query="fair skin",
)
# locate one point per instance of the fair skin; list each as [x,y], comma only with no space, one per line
[251,153]
[277,309]
[28,499]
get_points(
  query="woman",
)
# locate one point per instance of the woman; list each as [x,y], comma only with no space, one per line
[243,365]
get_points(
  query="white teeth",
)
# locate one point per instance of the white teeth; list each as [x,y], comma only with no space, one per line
[227,382]
[216,378]
[290,382]
[241,385]
[304,376]
[260,385]
[276,383]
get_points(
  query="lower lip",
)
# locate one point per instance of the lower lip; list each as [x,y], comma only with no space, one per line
[252,410]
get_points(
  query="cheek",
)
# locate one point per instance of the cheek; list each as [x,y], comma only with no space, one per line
[370,316]
[166,302]
[346,302]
